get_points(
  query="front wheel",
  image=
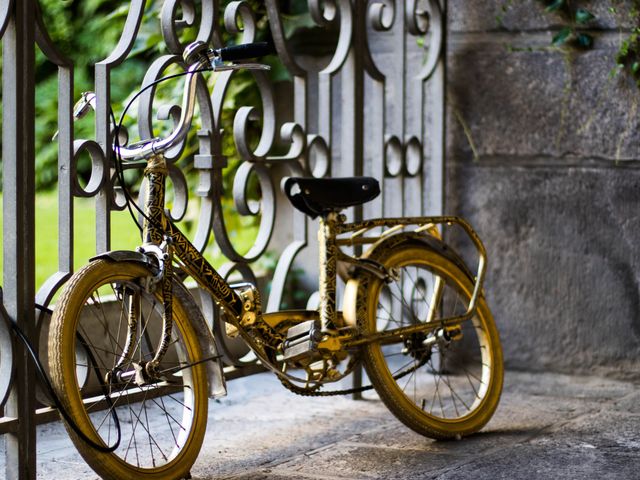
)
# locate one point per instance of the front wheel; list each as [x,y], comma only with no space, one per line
[442,382]
[106,309]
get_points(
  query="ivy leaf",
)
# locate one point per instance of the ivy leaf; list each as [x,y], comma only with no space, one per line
[584,16]
[635,67]
[555,5]
[585,40]
[561,37]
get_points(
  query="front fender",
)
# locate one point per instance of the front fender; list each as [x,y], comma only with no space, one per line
[215,373]
[127,256]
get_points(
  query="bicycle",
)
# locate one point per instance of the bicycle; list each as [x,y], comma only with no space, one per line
[127,335]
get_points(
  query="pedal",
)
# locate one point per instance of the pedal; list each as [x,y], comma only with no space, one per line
[302,340]
[442,336]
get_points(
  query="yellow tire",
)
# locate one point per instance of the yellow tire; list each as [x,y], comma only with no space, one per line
[162,420]
[440,384]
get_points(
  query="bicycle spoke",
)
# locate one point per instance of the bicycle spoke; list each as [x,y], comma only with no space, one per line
[167,416]
[179,402]
[441,376]
[103,321]
[454,392]
[133,437]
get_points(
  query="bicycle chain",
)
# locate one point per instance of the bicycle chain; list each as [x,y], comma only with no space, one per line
[305,392]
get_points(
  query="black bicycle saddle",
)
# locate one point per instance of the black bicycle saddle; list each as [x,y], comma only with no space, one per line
[319,196]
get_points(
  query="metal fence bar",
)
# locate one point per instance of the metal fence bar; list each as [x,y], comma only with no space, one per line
[19,226]
[373,104]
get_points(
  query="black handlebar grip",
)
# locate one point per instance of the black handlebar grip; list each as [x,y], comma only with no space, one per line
[244,51]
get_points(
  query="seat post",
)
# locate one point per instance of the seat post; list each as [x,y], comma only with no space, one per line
[328,263]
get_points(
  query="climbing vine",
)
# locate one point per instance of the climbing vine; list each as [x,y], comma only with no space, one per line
[578,22]
[576,18]
[628,56]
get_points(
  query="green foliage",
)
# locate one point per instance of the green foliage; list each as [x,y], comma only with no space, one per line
[576,19]
[504,8]
[584,16]
[561,37]
[87,31]
[555,5]
[74,27]
[46,235]
[628,56]
[572,33]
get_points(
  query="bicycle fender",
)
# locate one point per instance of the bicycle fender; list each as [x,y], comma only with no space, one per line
[379,249]
[206,340]
[126,256]
[215,373]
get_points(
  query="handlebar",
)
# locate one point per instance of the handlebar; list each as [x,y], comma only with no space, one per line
[198,57]
[244,51]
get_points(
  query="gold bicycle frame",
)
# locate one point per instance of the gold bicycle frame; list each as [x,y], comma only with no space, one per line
[158,228]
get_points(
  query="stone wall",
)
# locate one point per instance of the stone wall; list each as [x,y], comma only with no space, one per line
[554,189]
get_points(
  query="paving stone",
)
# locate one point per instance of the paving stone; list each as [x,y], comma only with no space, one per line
[520,416]
[607,430]
[363,462]
[546,426]
[629,403]
[562,386]
[267,475]
[289,426]
[539,462]
[602,444]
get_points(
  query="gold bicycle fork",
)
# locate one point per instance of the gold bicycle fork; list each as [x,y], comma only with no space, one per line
[162,242]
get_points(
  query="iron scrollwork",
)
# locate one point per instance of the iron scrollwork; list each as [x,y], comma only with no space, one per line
[362,109]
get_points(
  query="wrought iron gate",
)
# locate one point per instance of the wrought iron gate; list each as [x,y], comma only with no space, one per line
[373,105]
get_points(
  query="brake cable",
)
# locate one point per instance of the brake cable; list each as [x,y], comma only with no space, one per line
[42,374]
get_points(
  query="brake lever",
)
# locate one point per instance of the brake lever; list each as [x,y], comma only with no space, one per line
[199,53]
[240,66]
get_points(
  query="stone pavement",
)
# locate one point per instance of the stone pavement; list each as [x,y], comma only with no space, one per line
[547,426]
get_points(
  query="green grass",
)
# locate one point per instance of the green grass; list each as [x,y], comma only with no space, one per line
[125,235]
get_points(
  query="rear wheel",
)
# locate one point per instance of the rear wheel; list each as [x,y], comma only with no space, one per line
[162,419]
[442,382]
